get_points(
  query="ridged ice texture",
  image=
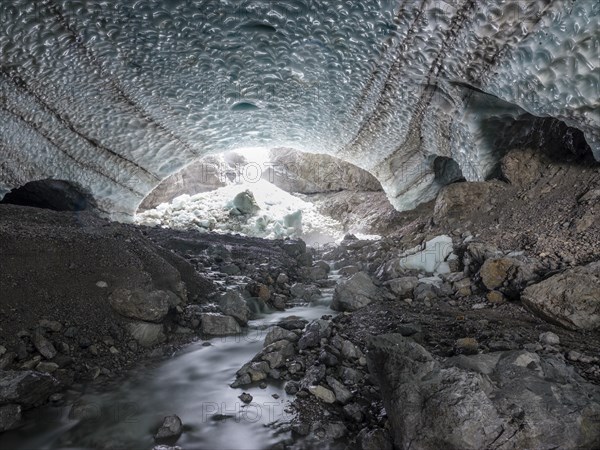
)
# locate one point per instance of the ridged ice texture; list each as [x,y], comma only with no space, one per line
[117,95]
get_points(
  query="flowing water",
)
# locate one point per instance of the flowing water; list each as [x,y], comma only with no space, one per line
[194,384]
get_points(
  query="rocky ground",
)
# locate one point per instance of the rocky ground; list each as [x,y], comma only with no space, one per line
[84,299]
[474,323]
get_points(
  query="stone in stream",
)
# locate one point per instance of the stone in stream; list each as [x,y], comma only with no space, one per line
[170,430]
[246,398]
[218,325]
[354,293]
[232,303]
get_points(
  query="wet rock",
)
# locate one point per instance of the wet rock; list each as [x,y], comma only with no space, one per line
[354,293]
[43,345]
[315,331]
[534,402]
[348,271]
[323,394]
[26,388]
[278,333]
[277,353]
[10,417]
[141,305]
[570,299]
[232,303]
[218,325]
[147,334]
[305,292]
[170,430]
[246,398]
[292,387]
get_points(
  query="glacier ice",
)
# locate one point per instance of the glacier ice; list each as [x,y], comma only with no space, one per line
[115,96]
[267,212]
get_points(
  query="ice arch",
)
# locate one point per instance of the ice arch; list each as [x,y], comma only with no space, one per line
[115,96]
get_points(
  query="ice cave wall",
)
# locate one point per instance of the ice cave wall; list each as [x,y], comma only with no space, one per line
[115,96]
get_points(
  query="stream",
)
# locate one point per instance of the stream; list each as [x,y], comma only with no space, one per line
[193,384]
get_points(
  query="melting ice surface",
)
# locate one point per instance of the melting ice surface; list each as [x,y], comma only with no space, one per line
[193,384]
[118,95]
[281,214]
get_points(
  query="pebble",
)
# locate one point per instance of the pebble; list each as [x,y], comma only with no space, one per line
[102,284]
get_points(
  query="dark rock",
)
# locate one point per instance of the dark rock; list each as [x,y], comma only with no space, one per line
[354,293]
[141,305]
[27,388]
[246,398]
[170,430]
[43,345]
[10,417]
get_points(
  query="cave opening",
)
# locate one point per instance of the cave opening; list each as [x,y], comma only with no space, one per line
[57,195]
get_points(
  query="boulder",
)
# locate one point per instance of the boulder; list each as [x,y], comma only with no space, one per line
[503,400]
[27,388]
[232,303]
[570,299]
[277,333]
[352,294]
[141,305]
[403,287]
[508,275]
[305,292]
[170,430]
[218,325]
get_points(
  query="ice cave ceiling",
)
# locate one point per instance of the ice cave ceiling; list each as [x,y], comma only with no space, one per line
[115,96]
